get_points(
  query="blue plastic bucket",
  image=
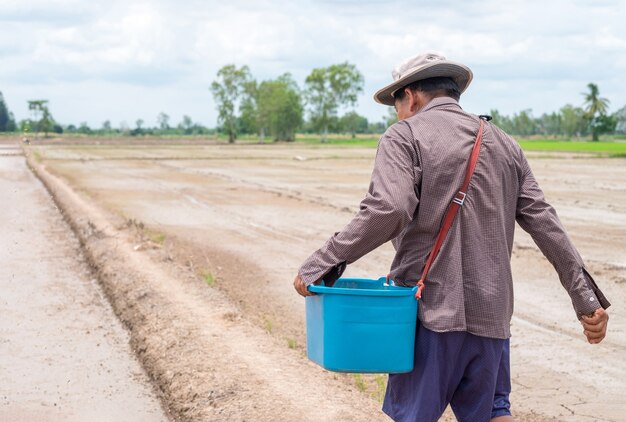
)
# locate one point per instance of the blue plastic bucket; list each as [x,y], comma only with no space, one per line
[361,325]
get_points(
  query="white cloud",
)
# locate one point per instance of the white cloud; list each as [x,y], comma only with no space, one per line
[162,55]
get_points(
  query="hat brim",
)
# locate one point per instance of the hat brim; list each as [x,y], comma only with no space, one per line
[461,74]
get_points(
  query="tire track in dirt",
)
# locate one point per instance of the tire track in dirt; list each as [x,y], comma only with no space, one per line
[257,186]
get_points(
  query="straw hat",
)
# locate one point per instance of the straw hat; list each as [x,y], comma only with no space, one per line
[423,66]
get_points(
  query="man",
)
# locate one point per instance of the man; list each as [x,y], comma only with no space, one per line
[461,351]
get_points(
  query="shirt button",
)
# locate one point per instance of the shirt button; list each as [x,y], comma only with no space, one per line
[591,299]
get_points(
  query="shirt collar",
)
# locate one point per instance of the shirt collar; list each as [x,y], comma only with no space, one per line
[440,102]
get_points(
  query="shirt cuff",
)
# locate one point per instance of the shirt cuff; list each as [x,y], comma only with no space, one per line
[310,273]
[315,268]
[589,297]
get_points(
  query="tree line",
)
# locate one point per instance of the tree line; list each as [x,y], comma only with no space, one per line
[277,108]
[590,119]
[41,121]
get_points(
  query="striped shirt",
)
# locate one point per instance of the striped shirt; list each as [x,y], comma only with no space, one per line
[419,167]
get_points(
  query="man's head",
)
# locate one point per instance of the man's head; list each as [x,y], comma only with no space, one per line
[410,99]
[422,78]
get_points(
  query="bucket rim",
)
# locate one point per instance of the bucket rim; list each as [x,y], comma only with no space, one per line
[384,291]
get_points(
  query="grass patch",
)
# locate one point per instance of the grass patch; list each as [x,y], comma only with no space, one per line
[360,383]
[208,279]
[269,326]
[374,385]
[381,387]
[603,147]
[157,237]
[608,148]
[291,343]
[37,155]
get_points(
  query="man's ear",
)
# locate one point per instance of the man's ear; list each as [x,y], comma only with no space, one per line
[414,99]
[418,101]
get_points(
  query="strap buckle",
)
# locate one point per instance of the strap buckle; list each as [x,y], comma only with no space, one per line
[459,198]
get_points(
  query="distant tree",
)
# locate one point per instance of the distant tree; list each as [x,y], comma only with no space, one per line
[279,107]
[502,121]
[46,124]
[523,123]
[550,124]
[4,114]
[11,125]
[106,126]
[139,130]
[42,120]
[227,92]
[377,127]
[604,123]
[249,119]
[595,104]
[596,110]
[329,88]
[353,123]
[36,107]
[84,128]
[186,125]
[26,125]
[573,121]
[164,121]
[7,120]
[620,120]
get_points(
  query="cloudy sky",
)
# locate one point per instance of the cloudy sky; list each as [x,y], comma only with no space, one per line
[124,60]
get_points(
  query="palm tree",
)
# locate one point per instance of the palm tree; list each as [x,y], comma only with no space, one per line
[596,107]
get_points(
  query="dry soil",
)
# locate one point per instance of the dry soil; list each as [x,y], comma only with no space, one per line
[64,356]
[242,218]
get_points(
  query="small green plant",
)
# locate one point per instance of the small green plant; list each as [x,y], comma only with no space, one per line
[208,279]
[157,237]
[268,325]
[360,383]
[37,156]
[291,343]
[381,385]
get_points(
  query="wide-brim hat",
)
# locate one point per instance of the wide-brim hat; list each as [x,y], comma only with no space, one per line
[423,66]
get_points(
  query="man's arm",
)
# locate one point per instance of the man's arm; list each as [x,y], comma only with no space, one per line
[540,220]
[386,210]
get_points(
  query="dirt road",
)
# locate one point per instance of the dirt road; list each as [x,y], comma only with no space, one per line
[246,216]
[64,356]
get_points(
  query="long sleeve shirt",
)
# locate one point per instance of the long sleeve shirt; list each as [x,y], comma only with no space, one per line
[419,167]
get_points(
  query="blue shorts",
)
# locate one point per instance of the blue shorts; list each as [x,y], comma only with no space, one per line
[469,372]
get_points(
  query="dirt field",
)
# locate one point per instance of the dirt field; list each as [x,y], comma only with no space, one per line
[64,356]
[242,218]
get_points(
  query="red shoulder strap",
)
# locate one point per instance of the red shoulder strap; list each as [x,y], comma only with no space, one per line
[457,202]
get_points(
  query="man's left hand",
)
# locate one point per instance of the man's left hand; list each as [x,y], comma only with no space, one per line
[595,325]
[301,288]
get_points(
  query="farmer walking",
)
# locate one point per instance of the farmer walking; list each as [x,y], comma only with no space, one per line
[466,304]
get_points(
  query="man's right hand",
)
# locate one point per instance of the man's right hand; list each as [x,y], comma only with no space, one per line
[301,287]
[595,325]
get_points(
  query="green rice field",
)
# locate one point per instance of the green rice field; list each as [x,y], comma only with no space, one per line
[605,148]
